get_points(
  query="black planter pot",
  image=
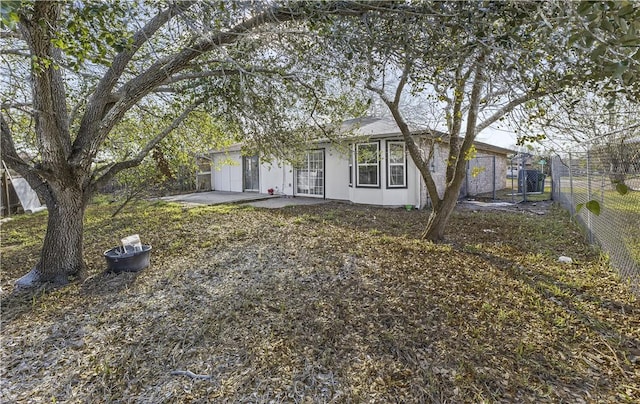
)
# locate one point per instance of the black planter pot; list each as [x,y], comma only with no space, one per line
[120,259]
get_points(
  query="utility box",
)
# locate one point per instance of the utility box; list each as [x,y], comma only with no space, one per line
[534,181]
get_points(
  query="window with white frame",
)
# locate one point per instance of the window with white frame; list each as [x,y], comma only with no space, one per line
[396,164]
[368,164]
[310,174]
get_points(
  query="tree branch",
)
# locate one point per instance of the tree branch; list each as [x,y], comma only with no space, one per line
[414,150]
[49,97]
[508,108]
[101,118]
[160,71]
[89,137]
[18,52]
[6,34]
[223,72]
[454,122]
[472,117]
[17,105]
[123,165]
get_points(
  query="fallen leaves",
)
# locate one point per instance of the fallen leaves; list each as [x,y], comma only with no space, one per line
[324,304]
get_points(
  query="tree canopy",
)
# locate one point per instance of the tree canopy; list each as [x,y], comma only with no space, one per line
[470,64]
[75,73]
[91,88]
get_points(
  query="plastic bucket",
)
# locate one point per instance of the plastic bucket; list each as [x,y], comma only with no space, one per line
[120,259]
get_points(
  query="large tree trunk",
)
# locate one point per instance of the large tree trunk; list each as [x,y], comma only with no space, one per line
[439,217]
[437,222]
[62,251]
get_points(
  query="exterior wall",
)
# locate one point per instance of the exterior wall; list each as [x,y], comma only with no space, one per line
[481,176]
[438,172]
[203,173]
[502,164]
[384,195]
[336,173]
[486,173]
[278,176]
[227,175]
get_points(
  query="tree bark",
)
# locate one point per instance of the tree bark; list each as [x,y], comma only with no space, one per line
[62,251]
[438,219]
[442,210]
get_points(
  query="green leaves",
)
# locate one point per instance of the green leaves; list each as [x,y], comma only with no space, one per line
[9,16]
[585,7]
[92,31]
[608,34]
[592,206]
[622,188]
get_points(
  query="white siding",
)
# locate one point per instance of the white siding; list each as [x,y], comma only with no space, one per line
[410,195]
[278,176]
[226,175]
[336,173]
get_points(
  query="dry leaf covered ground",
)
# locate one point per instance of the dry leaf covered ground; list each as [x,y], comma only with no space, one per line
[325,303]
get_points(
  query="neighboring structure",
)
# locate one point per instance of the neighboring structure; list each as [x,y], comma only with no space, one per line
[16,194]
[374,169]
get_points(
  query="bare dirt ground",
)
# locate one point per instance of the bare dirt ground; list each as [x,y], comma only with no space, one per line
[326,303]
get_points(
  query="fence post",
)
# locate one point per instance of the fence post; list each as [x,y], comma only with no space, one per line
[524,178]
[513,191]
[571,200]
[589,216]
[553,177]
[494,177]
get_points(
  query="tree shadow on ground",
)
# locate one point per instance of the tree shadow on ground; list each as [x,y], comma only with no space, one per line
[544,284]
[21,301]
[108,283]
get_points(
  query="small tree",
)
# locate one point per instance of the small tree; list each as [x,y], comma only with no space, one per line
[471,63]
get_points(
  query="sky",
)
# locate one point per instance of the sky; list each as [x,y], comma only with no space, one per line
[499,137]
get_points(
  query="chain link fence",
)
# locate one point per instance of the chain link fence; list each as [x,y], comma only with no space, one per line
[602,176]
[483,176]
[504,179]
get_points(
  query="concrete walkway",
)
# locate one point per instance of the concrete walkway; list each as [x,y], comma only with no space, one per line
[249,198]
[282,201]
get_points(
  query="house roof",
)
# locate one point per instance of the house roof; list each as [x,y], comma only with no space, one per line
[492,148]
[232,148]
[373,127]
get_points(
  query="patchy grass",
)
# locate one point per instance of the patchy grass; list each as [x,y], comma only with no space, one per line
[326,303]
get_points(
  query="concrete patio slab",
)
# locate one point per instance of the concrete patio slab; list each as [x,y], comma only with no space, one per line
[249,198]
[217,197]
[281,202]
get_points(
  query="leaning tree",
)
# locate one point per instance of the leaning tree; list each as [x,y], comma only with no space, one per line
[471,64]
[72,72]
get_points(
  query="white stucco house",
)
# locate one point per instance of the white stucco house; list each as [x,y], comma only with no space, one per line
[375,169]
